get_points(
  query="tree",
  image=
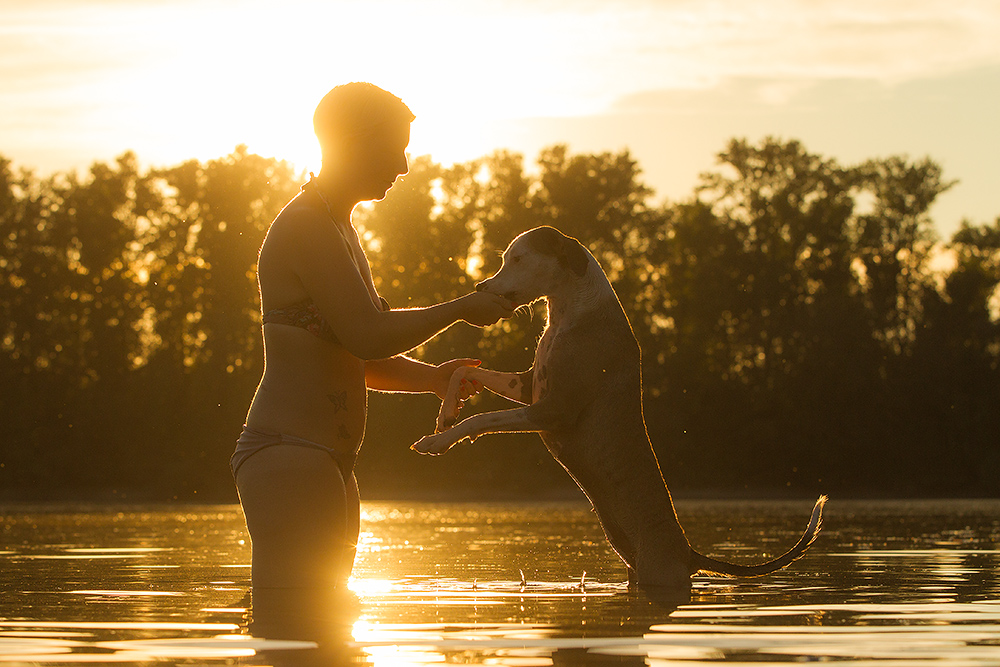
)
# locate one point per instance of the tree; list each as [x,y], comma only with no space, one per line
[778,335]
[216,219]
[894,239]
[791,324]
[956,365]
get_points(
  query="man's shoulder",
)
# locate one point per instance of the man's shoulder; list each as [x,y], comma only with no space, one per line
[302,206]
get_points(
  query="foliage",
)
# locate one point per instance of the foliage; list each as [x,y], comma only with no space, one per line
[794,289]
[798,331]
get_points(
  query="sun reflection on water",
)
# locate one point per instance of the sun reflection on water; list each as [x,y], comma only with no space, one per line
[369,587]
[923,591]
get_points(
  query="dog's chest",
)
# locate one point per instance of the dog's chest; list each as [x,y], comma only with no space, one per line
[543,354]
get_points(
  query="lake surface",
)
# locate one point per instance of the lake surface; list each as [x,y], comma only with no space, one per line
[887,584]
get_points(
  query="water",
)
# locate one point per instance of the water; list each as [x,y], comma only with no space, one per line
[887,584]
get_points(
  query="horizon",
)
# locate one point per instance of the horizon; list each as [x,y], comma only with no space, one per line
[671,82]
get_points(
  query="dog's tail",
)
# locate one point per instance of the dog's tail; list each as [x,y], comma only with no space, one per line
[700,563]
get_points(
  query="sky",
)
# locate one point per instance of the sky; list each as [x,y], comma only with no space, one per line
[670,80]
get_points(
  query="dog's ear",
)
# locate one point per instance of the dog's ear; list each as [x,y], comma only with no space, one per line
[574,256]
[567,250]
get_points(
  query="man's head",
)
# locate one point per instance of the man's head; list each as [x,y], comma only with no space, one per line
[357,111]
[363,132]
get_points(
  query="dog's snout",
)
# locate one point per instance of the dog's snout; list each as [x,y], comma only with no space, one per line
[479,286]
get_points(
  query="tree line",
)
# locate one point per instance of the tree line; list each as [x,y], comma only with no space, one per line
[802,327]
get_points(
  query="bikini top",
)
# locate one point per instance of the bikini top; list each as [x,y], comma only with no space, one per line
[305,315]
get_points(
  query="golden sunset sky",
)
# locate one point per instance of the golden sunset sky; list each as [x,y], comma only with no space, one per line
[671,80]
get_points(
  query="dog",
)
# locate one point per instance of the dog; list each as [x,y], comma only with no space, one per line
[583,396]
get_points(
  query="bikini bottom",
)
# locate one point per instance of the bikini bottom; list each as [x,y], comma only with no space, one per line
[252,441]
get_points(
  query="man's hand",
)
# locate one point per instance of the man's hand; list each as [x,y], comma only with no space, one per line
[461,387]
[443,376]
[482,309]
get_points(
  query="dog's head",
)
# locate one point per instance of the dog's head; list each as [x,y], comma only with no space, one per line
[537,263]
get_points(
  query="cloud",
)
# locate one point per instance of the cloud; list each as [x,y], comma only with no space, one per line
[674,134]
[673,79]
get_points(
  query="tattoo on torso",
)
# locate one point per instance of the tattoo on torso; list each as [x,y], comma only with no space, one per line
[339,400]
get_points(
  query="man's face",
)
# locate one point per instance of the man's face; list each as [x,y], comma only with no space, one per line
[378,159]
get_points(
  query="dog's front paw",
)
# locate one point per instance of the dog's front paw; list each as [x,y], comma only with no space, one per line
[460,388]
[447,415]
[439,443]
[435,444]
[446,422]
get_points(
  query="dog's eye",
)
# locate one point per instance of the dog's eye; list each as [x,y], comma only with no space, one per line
[515,260]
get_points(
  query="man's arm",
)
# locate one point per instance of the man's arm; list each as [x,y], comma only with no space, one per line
[404,374]
[399,373]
